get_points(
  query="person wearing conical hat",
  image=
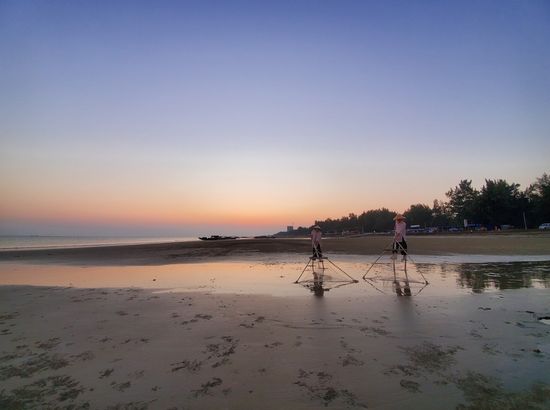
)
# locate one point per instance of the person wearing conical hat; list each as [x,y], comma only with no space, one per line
[399,238]
[316,241]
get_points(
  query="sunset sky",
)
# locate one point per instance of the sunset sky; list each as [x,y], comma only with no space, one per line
[242,117]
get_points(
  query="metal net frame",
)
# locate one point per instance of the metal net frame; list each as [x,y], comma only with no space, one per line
[320,281]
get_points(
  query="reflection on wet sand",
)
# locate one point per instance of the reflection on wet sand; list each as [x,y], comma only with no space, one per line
[395,274]
[513,275]
[276,275]
[318,289]
[217,342]
[325,275]
[405,288]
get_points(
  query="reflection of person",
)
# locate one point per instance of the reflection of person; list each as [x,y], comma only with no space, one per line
[316,241]
[402,291]
[397,286]
[318,284]
[399,239]
[407,289]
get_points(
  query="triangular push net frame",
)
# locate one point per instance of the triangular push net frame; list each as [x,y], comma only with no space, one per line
[323,275]
[383,271]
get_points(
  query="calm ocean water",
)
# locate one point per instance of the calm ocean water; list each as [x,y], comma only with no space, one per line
[47,242]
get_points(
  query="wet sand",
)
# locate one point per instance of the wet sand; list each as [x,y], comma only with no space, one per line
[531,243]
[133,328]
[130,348]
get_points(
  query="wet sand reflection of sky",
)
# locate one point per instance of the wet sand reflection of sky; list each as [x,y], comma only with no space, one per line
[512,275]
[276,276]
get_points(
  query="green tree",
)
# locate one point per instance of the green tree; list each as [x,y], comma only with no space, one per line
[419,214]
[329,225]
[463,201]
[350,223]
[538,195]
[500,203]
[441,214]
[376,220]
[497,203]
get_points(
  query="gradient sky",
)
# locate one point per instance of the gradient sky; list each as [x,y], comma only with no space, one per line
[184,117]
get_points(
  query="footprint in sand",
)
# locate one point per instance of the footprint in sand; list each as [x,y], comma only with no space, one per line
[316,385]
[273,345]
[220,352]
[373,331]
[192,366]
[45,393]
[431,357]
[121,386]
[346,346]
[106,373]
[85,356]
[206,387]
[8,316]
[49,344]
[349,360]
[410,385]
[32,363]
[404,370]
[138,374]
[196,319]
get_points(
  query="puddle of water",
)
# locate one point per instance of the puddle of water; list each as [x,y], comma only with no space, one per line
[510,275]
[276,276]
[462,258]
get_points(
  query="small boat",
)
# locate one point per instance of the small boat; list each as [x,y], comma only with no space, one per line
[216,238]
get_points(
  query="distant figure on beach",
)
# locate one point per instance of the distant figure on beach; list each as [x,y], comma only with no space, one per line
[399,239]
[316,242]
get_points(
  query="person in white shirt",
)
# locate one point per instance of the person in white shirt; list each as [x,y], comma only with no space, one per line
[316,241]
[399,239]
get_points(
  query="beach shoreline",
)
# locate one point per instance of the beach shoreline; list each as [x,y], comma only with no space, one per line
[131,327]
[531,243]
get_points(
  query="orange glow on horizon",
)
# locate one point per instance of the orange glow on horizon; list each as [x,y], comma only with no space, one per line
[173,213]
[229,205]
[173,216]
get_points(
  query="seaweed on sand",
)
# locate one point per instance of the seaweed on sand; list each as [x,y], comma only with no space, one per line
[487,393]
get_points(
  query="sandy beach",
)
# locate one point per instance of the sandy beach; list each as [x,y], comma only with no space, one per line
[228,329]
[134,349]
[532,243]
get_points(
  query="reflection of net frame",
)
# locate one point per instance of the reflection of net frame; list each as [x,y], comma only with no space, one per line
[401,286]
[317,266]
[398,287]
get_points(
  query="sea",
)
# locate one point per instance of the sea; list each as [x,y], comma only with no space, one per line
[50,242]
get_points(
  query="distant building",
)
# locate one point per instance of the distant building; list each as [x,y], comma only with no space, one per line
[290,228]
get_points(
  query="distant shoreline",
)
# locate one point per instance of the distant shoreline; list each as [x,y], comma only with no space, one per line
[516,243]
[37,242]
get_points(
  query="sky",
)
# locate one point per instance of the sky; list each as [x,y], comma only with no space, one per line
[243,117]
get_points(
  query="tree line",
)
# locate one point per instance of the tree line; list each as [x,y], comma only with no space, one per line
[497,204]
